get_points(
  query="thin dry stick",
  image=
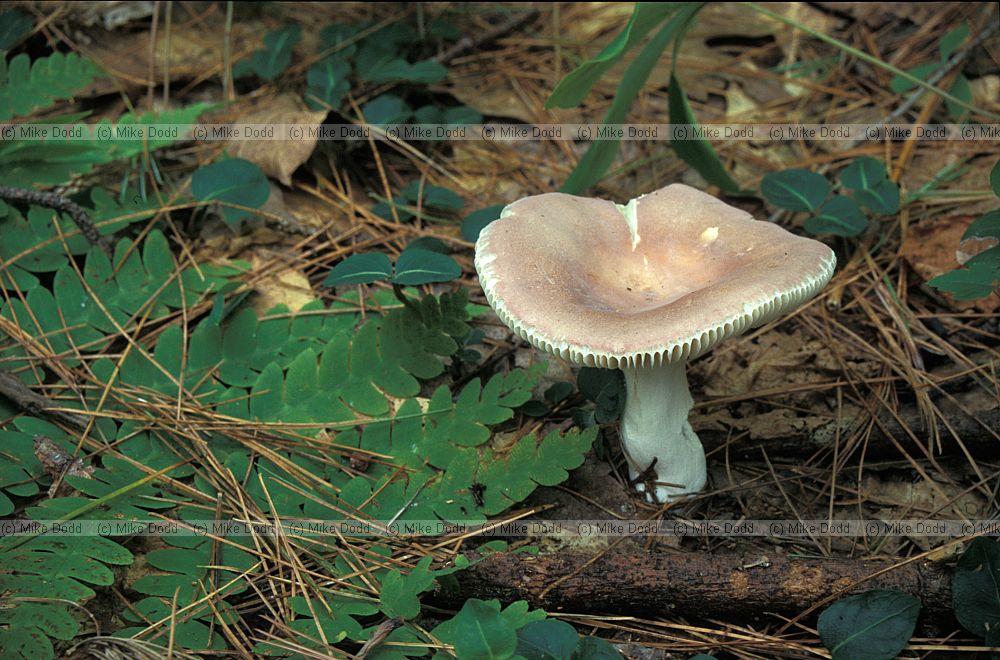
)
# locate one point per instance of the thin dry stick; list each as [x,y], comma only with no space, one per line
[59,203]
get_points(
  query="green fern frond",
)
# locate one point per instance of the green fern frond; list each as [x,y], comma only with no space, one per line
[26,87]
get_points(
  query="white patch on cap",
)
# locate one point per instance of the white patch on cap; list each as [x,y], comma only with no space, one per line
[630,211]
[710,235]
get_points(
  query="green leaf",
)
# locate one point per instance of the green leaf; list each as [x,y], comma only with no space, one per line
[363,268]
[795,189]
[14,27]
[386,109]
[875,625]
[882,199]
[696,151]
[418,266]
[977,281]
[463,114]
[606,388]
[547,640]
[987,226]
[326,83]
[26,87]
[399,594]
[475,222]
[480,633]
[432,196]
[277,52]
[864,173]
[922,71]
[995,179]
[235,181]
[602,153]
[572,89]
[397,69]
[595,648]
[840,216]
[960,89]
[975,587]
[951,41]
[990,258]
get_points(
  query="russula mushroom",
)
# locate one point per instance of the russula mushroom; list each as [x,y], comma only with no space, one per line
[644,288]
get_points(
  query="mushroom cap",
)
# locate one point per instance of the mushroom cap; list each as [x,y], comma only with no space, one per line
[659,280]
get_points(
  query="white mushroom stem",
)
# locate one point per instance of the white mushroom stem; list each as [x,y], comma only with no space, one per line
[655,427]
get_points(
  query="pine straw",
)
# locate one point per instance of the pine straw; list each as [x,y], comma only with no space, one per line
[876,319]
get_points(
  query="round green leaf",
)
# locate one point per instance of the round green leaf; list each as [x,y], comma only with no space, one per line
[875,625]
[434,197]
[236,181]
[429,243]
[975,594]
[418,266]
[841,216]
[480,633]
[863,174]
[883,198]
[463,114]
[550,639]
[327,83]
[386,109]
[362,268]
[475,222]
[795,189]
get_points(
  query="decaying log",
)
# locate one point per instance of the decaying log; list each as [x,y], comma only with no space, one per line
[691,584]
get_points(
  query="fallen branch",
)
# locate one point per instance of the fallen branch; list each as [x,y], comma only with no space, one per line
[35,404]
[703,585]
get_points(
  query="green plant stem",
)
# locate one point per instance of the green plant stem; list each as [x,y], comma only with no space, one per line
[861,55]
[401,297]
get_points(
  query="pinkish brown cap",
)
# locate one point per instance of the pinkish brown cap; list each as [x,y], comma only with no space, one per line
[659,280]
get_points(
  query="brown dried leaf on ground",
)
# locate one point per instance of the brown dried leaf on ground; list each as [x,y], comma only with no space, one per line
[278,158]
[933,248]
[289,287]
[771,361]
[193,51]
[307,213]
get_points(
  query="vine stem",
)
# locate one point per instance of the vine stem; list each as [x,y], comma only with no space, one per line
[401,297]
[871,59]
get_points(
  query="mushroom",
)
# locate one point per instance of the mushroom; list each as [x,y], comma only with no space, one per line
[644,288]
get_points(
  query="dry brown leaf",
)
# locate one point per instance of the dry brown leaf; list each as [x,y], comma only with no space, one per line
[289,287]
[278,158]
[307,213]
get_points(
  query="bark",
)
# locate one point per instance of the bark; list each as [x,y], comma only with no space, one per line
[695,584]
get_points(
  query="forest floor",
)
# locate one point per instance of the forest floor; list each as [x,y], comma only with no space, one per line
[876,400]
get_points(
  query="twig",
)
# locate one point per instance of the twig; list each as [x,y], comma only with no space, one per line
[469,43]
[384,630]
[36,404]
[63,205]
